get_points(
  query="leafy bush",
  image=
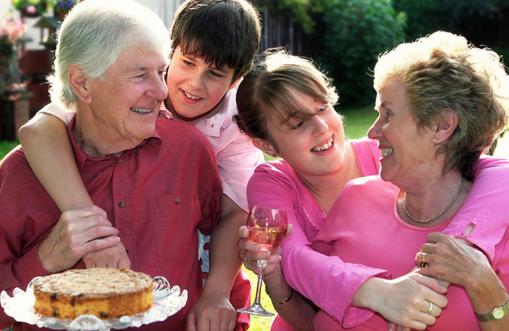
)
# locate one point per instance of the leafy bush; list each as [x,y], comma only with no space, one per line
[353,33]
[425,17]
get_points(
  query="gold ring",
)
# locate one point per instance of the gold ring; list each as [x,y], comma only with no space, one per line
[246,261]
[422,259]
[430,308]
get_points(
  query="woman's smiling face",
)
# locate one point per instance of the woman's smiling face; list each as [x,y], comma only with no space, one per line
[313,145]
[407,149]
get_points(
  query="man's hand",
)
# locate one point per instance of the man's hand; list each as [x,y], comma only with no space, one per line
[112,257]
[77,233]
[212,312]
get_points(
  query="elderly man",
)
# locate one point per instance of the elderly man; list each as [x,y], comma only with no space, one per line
[154,179]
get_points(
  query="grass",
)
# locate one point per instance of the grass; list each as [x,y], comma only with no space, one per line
[259,323]
[6,146]
[357,121]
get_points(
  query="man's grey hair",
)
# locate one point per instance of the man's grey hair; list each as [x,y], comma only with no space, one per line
[95,33]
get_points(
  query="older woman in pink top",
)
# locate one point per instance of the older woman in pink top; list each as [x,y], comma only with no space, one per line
[285,105]
[441,102]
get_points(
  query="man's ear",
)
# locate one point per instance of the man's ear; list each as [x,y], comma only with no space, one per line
[265,146]
[445,126]
[79,83]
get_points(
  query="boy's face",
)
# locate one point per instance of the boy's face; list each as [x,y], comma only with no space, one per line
[195,87]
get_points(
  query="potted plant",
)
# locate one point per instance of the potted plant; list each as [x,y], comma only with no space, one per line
[13,90]
[11,32]
[31,8]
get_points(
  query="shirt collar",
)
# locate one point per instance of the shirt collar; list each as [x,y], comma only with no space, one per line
[82,158]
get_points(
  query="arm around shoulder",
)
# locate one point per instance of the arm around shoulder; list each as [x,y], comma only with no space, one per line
[48,151]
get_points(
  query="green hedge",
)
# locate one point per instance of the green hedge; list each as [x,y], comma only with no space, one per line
[354,33]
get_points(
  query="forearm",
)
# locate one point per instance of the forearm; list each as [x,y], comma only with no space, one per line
[224,249]
[486,295]
[289,304]
[49,153]
[327,281]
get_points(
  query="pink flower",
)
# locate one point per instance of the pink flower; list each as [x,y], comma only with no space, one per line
[12,28]
[31,9]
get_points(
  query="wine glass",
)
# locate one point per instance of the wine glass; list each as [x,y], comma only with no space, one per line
[267,227]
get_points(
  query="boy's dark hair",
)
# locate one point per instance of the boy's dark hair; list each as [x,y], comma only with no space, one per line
[222,32]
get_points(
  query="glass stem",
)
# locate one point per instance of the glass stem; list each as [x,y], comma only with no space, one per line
[260,264]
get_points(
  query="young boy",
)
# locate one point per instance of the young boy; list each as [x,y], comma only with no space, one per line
[213,45]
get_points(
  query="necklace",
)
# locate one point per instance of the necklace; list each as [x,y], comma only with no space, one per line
[437,216]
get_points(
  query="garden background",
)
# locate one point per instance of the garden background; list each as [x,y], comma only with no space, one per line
[344,37]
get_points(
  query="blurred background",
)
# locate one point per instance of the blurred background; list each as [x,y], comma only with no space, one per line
[344,37]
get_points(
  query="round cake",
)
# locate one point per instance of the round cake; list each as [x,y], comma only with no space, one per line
[105,293]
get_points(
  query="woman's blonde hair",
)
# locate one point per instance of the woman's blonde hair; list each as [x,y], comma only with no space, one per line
[269,91]
[443,72]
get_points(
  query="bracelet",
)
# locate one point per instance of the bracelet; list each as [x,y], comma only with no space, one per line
[283,301]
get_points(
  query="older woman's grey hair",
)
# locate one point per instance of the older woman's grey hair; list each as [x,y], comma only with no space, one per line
[95,33]
[442,73]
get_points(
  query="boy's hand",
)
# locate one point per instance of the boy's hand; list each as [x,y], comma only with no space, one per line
[212,312]
[112,257]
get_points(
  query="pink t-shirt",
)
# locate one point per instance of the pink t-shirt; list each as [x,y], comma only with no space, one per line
[318,277]
[373,234]
[327,280]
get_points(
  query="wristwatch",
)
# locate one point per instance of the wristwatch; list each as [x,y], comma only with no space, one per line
[496,313]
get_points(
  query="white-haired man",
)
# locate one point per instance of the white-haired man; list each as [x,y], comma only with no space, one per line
[154,179]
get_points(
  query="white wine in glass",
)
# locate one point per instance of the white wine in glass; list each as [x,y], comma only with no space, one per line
[267,227]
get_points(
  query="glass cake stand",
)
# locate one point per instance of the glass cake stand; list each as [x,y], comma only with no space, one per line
[167,302]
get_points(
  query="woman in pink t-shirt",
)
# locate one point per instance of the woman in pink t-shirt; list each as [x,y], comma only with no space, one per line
[301,126]
[284,105]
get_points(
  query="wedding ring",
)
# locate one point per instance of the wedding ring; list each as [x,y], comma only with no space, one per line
[430,308]
[246,261]
[420,258]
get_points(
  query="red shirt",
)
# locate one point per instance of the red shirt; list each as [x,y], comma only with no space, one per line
[157,195]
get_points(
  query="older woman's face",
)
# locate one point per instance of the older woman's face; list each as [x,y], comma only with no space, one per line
[407,151]
[127,100]
[315,146]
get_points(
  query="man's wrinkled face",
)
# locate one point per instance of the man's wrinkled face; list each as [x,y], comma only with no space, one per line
[126,101]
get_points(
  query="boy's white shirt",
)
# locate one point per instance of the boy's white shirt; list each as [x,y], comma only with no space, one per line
[236,155]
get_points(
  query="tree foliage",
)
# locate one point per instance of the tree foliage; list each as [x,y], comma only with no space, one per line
[348,35]
[354,33]
[302,10]
[427,16]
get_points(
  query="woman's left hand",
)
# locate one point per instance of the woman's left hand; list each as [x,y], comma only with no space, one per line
[452,260]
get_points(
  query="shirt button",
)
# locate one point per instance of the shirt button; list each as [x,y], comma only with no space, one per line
[121,204]
[177,201]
